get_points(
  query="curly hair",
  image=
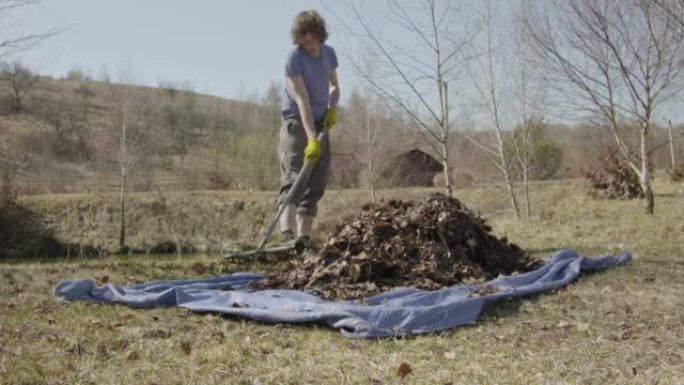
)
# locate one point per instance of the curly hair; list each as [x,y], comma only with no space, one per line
[308,21]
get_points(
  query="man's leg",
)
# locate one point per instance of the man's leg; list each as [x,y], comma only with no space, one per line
[291,154]
[313,192]
[304,225]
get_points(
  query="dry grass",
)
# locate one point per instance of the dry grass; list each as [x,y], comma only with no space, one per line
[622,326]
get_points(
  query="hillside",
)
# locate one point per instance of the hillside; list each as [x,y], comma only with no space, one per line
[68,138]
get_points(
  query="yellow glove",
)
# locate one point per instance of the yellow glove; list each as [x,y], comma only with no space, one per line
[330,117]
[312,150]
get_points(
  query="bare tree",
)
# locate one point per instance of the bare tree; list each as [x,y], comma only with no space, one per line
[20,79]
[673,9]
[272,102]
[618,59]
[362,118]
[129,121]
[183,122]
[413,74]
[530,95]
[490,93]
[367,116]
[672,152]
[13,44]
[69,121]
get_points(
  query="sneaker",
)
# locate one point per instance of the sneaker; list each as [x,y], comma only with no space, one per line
[302,243]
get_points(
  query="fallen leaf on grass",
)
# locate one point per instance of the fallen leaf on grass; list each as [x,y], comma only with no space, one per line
[120,345]
[404,370]
[157,334]
[449,355]
[186,347]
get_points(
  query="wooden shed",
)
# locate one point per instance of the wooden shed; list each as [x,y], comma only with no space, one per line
[413,168]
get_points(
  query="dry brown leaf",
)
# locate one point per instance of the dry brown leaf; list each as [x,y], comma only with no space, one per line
[120,345]
[404,370]
[429,244]
[186,347]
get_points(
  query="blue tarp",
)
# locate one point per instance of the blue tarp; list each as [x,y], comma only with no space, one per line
[403,311]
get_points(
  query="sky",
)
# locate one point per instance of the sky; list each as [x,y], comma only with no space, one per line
[233,49]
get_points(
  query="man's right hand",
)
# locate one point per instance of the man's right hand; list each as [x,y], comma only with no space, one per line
[313,150]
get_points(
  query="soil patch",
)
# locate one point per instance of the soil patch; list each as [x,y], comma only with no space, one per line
[432,243]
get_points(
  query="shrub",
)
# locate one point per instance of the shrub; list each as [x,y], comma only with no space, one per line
[23,233]
[613,178]
[676,174]
[544,155]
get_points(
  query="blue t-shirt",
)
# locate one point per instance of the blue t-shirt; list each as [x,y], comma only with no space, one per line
[316,74]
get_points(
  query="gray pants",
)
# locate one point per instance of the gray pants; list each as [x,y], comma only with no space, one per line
[293,141]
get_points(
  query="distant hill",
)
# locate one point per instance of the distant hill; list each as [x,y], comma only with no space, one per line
[68,138]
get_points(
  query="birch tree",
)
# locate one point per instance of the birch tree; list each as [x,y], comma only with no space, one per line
[368,118]
[490,93]
[529,94]
[618,60]
[130,123]
[413,73]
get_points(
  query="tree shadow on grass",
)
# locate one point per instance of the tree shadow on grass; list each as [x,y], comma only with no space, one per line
[23,234]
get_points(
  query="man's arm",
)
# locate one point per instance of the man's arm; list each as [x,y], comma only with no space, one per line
[334,89]
[297,88]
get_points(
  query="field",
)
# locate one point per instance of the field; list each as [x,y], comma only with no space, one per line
[620,326]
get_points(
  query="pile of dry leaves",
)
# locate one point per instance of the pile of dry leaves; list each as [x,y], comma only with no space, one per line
[429,244]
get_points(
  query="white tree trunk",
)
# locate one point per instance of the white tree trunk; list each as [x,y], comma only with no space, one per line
[122,161]
[644,175]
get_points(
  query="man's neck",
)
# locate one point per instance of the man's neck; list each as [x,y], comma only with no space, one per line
[316,53]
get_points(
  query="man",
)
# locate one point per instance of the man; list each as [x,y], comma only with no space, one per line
[309,106]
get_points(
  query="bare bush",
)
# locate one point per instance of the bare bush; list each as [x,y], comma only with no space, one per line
[676,174]
[612,178]
[20,80]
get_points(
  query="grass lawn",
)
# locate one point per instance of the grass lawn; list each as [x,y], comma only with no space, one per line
[620,326]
